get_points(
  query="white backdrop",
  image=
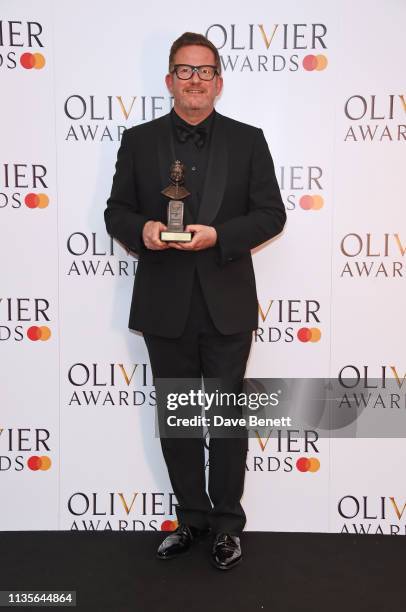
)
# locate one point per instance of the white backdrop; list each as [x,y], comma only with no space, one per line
[77,445]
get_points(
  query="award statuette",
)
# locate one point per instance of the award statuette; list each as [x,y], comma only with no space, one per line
[175,230]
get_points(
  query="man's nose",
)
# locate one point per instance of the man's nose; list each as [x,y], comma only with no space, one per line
[195,77]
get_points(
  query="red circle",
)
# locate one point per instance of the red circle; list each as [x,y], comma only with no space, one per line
[310,62]
[31,200]
[34,462]
[304,334]
[306,202]
[169,525]
[27,60]
[303,464]
[34,333]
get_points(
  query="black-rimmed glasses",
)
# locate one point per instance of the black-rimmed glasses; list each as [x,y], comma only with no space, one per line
[185,72]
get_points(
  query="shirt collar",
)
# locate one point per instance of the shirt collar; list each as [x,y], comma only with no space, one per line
[206,123]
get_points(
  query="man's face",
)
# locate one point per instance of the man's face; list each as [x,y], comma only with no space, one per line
[194,94]
[177,173]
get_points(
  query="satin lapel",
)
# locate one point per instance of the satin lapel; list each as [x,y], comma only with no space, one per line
[166,150]
[216,175]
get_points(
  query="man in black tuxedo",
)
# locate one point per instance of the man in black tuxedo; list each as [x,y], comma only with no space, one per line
[196,302]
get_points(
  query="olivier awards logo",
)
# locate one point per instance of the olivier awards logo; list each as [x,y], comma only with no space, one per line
[270,47]
[98,118]
[368,514]
[23,185]
[20,45]
[24,318]
[381,389]
[375,118]
[20,448]
[301,187]
[286,320]
[372,255]
[362,389]
[286,451]
[110,385]
[118,511]
[93,256]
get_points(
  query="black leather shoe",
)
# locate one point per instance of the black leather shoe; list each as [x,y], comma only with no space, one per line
[179,541]
[226,551]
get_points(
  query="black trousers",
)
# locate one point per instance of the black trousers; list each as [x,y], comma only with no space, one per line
[202,351]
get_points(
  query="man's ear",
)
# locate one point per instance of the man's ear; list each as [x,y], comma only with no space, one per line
[219,85]
[169,82]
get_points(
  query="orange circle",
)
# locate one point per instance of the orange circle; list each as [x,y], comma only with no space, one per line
[45,462]
[318,202]
[315,334]
[43,200]
[39,61]
[314,464]
[45,332]
[321,62]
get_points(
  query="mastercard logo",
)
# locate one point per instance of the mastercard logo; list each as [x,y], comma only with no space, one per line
[309,334]
[32,60]
[169,525]
[305,464]
[35,333]
[36,200]
[39,463]
[308,202]
[315,62]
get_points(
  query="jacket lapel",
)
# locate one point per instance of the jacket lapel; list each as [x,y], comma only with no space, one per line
[166,150]
[216,174]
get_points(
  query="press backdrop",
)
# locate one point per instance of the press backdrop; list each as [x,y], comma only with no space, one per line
[325,81]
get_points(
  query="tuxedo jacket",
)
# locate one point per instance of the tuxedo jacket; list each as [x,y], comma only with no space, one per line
[240,199]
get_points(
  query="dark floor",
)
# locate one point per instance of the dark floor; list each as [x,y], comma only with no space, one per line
[281,572]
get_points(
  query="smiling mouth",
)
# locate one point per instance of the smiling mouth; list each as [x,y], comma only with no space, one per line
[194,91]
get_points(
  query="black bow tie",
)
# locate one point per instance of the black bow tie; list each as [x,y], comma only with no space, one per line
[195,134]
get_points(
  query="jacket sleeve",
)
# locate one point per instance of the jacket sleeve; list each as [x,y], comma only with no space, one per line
[123,221]
[266,215]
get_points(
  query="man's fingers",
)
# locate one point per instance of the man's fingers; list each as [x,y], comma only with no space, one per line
[153,236]
[160,245]
[176,245]
[183,246]
[190,246]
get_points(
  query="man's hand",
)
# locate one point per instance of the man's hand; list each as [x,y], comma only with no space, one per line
[151,233]
[205,237]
